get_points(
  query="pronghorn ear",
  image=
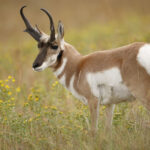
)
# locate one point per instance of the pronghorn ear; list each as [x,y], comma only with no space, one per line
[60,30]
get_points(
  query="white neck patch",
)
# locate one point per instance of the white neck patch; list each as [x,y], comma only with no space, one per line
[62,80]
[75,93]
[61,68]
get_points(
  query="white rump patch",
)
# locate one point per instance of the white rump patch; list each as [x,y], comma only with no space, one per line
[143,57]
[61,68]
[74,92]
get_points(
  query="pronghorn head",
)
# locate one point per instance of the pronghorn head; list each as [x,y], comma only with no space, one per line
[50,46]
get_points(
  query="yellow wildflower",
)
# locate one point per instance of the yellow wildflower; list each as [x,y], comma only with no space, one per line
[6,80]
[7,87]
[140,107]
[45,107]
[56,82]
[60,112]
[38,90]
[30,97]
[26,104]
[9,93]
[101,113]
[103,107]
[1,101]
[1,81]
[13,80]
[24,121]
[53,107]
[37,98]
[18,89]
[30,120]
[53,85]
[9,77]
[2,85]
[33,90]
[38,115]
[12,98]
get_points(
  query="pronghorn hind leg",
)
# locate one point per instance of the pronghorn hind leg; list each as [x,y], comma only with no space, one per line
[109,116]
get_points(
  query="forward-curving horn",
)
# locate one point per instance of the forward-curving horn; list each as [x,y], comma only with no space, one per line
[52,28]
[36,34]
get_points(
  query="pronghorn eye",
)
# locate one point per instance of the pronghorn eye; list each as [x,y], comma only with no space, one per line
[54,46]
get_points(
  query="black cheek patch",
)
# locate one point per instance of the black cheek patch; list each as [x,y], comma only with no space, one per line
[60,55]
[41,57]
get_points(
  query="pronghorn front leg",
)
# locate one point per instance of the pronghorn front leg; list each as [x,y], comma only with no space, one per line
[109,116]
[94,110]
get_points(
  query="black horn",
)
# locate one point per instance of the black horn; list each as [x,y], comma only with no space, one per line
[36,34]
[52,28]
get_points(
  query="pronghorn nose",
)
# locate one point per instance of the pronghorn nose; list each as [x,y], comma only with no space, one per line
[35,65]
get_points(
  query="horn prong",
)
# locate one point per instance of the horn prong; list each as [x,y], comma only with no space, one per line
[29,29]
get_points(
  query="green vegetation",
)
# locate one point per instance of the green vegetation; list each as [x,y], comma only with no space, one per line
[37,113]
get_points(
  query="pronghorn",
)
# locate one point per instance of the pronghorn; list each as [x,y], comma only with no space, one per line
[101,78]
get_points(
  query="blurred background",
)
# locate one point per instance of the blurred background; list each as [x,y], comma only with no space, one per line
[74,14]
[36,112]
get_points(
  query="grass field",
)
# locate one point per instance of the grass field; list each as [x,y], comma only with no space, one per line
[37,113]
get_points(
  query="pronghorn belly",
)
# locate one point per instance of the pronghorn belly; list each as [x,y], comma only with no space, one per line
[121,93]
[107,86]
[113,94]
